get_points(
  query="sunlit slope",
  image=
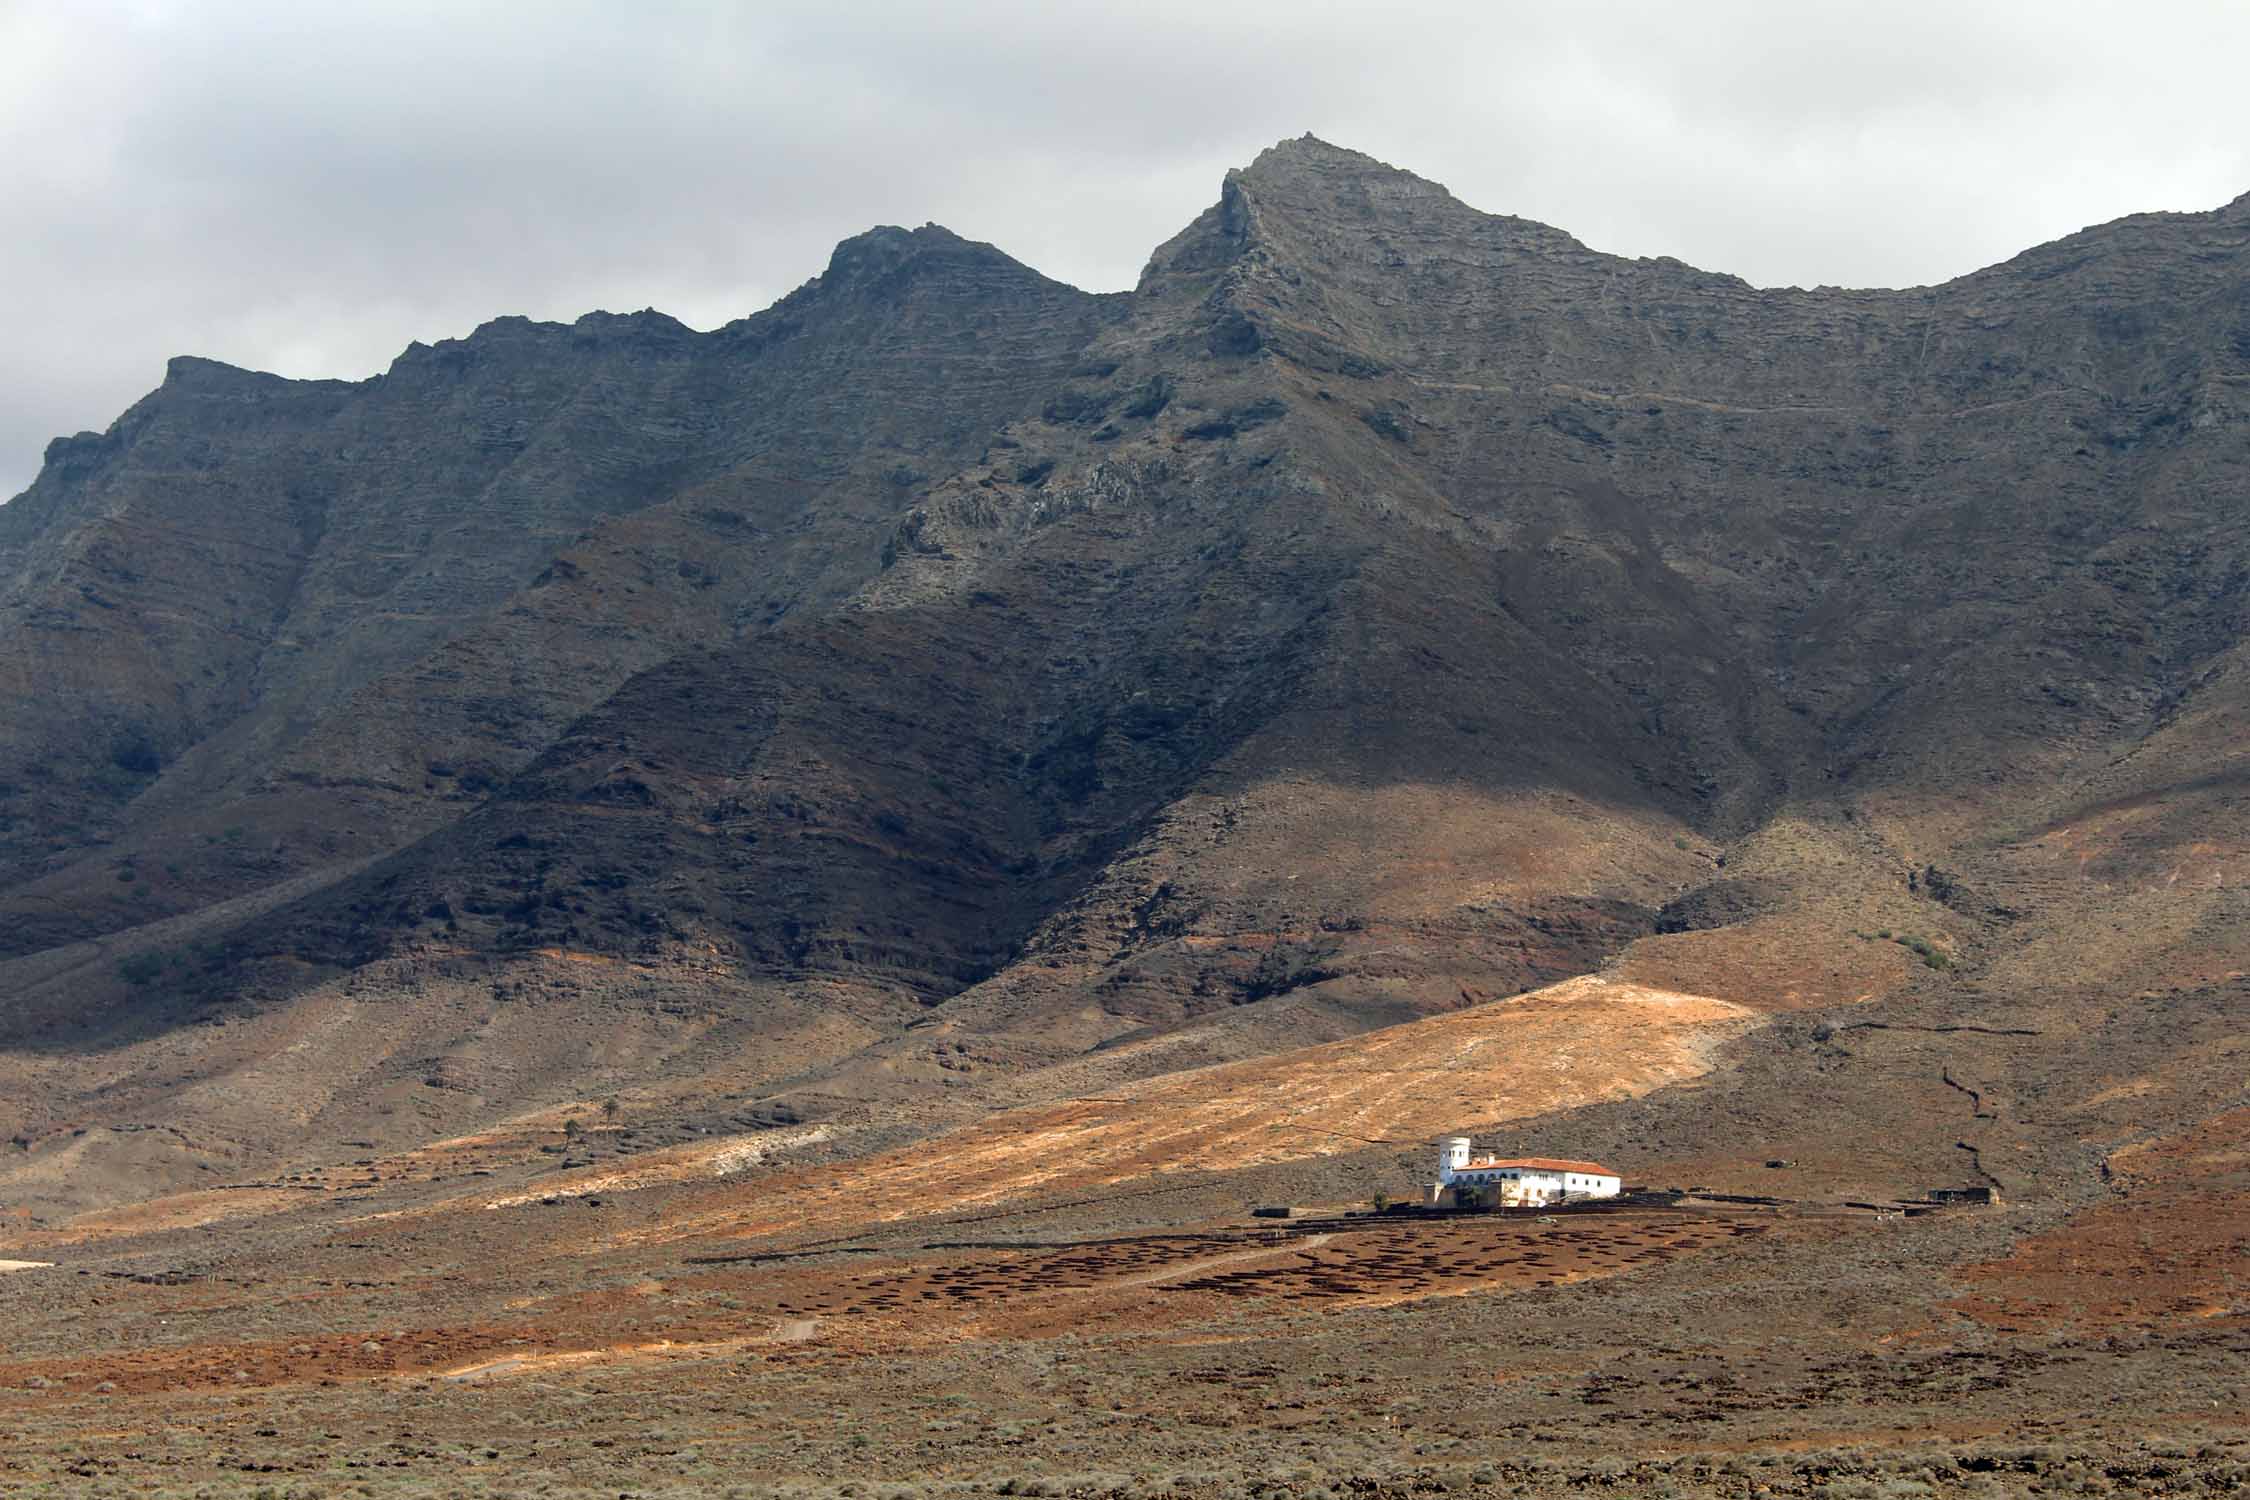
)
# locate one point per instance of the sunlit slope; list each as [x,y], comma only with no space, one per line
[1585,1041]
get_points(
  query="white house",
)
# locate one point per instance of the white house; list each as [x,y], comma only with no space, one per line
[1525,1182]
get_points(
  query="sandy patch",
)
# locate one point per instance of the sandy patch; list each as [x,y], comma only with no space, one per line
[721,1158]
[1583,1041]
[175,1211]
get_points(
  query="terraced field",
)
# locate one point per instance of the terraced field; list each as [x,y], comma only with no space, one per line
[1174,1277]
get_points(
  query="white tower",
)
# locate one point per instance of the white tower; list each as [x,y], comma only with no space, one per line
[1453,1155]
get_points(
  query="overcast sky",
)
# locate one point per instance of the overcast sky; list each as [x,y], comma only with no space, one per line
[305,187]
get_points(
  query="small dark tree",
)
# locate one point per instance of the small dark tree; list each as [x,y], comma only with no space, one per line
[141,968]
[572,1130]
[134,753]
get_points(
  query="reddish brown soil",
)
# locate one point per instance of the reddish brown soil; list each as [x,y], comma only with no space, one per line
[1136,1285]
[2175,1248]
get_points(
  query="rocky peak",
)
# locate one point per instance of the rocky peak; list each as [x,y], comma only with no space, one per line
[883,248]
[645,324]
[189,372]
[1309,243]
[887,258]
[1309,158]
[1279,176]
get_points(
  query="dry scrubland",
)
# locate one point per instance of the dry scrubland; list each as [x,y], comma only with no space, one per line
[484,1318]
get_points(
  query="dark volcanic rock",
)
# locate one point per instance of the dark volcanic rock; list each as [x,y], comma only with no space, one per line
[303,596]
[1386,602]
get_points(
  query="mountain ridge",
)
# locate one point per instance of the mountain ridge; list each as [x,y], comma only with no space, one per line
[1301,148]
[945,674]
[695,879]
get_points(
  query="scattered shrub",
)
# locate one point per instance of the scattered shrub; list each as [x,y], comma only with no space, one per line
[136,754]
[1922,948]
[143,968]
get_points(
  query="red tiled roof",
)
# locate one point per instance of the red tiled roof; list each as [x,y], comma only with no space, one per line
[1543,1164]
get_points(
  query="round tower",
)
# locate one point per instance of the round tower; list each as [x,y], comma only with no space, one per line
[1453,1154]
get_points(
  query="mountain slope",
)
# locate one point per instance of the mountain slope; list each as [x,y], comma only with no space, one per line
[332,618]
[946,675]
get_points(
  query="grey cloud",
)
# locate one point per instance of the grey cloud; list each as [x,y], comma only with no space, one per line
[307,188]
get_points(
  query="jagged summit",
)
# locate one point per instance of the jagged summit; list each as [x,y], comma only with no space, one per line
[192,367]
[1326,213]
[1309,152]
[886,245]
[887,253]
[1308,178]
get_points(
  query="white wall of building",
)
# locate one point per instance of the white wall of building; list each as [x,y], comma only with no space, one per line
[1535,1185]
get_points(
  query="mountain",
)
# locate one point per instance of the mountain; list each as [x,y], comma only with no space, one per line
[948,691]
